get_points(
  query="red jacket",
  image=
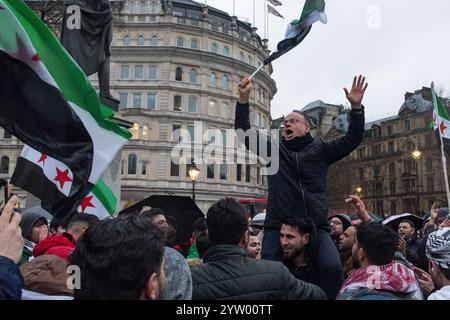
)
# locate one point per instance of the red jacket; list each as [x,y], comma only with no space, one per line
[58,245]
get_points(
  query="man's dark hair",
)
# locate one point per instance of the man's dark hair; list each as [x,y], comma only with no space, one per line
[203,244]
[82,218]
[227,222]
[307,118]
[152,213]
[408,222]
[200,225]
[117,257]
[378,241]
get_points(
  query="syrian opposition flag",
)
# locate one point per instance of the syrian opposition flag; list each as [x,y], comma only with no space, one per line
[297,30]
[275,2]
[274,11]
[441,123]
[100,202]
[50,105]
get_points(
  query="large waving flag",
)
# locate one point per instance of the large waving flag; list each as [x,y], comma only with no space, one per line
[273,11]
[313,11]
[49,104]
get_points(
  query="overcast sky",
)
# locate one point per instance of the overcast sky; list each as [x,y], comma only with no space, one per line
[400,45]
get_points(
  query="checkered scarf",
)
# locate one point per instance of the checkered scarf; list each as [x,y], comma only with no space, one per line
[438,247]
[394,277]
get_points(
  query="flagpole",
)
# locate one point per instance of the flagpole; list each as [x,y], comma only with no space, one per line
[257,70]
[254,14]
[444,159]
[234,8]
[265,19]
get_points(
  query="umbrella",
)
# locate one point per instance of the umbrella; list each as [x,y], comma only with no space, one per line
[183,209]
[394,221]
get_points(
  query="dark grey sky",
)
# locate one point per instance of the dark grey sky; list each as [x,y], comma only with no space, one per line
[400,45]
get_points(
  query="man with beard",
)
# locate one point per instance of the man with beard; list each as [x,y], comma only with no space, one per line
[346,242]
[299,185]
[296,238]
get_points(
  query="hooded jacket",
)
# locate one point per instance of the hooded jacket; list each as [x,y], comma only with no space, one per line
[299,185]
[11,281]
[58,245]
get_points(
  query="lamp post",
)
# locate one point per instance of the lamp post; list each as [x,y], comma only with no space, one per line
[417,155]
[193,174]
[359,191]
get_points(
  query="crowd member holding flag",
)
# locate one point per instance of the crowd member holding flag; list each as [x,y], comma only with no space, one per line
[299,186]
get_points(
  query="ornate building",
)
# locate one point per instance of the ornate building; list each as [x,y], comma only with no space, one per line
[385,169]
[175,65]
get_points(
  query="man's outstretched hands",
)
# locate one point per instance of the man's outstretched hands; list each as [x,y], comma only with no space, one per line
[360,208]
[244,89]
[356,95]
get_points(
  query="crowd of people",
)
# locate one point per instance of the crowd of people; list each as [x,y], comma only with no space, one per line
[295,251]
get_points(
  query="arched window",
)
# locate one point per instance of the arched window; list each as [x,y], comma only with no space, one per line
[192,107]
[214,48]
[225,82]
[138,72]
[177,103]
[226,51]
[154,41]
[127,40]
[250,60]
[154,7]
[179,74]
[225,110]
[144,132]
[124,72]
[132,159]
[193,75]
[180,42]
[242,57]
[152,73]
[194,44]
[212,108]
[140,40]
[213,80]
[4,165]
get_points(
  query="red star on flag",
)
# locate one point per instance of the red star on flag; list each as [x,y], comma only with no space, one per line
[36,58]
[62,177]
[442,127]
[42,159]
[86,203]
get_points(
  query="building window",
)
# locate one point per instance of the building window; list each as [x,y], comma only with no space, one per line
[430,184]
[212,108]
[174,169]
[123,98]
[226,51]
[180,42]
[193,76]
[7,135]
[4,165]
[361,153]
[361,174]
[132,159]
[224,137]
[210,170]
[241,56]
[392,169]
[126,41]
[192,106]
[247,173]
[392,187]
[152,73]
[154,41]
[258,174]
[138,72]
[151,101]
[393,208]
[144,132]
[179,74]
[376,150]
[214,48]
[140,40]
[407,125]
[132,7]
[134,132]
[238,172]
[429,164]
[176,136]
[225,82]
[390,131]
[376,171]
[194,44]
[211,136]
[225,109]
[391,147]
[124,72]
[250,60]
[143,7]
[137,100]
[154,8]
[191,131]
[122,166]
[223,171]
[144,168]
[177,103]
[213,80]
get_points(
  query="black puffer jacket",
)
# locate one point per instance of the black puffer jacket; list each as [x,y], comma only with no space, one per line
[299,186]
[227,273]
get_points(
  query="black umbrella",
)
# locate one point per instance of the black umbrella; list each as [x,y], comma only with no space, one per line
[183,209]
[394,221]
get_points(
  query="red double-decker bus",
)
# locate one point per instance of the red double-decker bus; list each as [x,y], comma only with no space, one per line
[254,206]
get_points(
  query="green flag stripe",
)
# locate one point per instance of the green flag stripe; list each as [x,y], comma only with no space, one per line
[71,80]
[105,195]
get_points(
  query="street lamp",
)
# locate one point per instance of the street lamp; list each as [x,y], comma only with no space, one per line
[417,155]
[359,191]
[193,174]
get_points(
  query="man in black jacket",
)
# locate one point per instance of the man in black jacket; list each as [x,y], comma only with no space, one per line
[299,185]
[227,272]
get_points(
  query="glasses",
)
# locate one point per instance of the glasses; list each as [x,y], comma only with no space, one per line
[295,121]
